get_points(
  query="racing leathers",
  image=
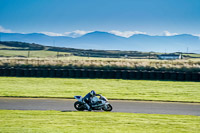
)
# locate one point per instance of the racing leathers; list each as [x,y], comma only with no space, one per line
[88,98]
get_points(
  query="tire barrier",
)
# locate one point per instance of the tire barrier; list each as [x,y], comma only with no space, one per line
[124,74]
[58,73]
[106,74]
[7,72]
[27,73]
[159,75]
[1,72]
[138,75]
[111,74]
[91,74]
[173,76]
[166,75]
[45,73]
[84,73]
[118,74]
[145,75]
[65,73]
[180,76]
[39,73]
[132,74]
[72,73]
[195,77]
[188,76]
[19,73]
[52,73]
[13,72]
[78,74]
[98,74]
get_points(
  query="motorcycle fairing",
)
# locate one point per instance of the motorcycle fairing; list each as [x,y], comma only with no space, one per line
[79,98]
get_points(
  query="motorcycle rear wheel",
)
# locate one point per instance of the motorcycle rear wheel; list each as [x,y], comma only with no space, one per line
[109,108]
[79,106]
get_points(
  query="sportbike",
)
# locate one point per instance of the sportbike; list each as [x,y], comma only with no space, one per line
[97,103]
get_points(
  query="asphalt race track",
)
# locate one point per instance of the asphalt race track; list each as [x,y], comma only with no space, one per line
[118,106]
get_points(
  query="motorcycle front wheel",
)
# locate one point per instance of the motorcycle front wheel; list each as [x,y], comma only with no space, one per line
[109,108]
[79,106]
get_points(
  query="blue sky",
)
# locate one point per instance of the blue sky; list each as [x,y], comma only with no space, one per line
[154,17]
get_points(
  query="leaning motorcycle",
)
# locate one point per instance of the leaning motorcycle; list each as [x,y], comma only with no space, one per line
[100,103]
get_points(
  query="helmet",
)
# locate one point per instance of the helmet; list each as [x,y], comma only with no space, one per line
[92,93]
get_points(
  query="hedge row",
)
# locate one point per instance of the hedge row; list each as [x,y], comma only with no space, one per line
[109,74]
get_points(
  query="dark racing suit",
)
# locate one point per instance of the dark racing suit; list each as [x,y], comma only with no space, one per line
[87,99]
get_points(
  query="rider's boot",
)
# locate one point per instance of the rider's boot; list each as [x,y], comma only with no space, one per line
[88,107]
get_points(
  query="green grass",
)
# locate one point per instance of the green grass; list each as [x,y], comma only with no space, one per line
[111,88]
[98,122]
[193,55]
[34,53]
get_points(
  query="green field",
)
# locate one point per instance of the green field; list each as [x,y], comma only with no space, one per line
[33,53]
[7,47]
[111,88]
[192,55]
[99,122]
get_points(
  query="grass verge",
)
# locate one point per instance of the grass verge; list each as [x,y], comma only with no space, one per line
[99,122]
[33,53]
[111,88]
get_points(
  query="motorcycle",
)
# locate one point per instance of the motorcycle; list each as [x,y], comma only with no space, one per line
[100,103]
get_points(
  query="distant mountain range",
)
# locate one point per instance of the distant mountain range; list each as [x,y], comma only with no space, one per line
[107,41]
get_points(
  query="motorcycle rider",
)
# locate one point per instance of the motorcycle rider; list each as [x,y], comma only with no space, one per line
[88,98]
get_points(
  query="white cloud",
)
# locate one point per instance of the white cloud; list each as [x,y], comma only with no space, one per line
[126,33]
[5,30]
[167,33]
[52,34]
[197,35]
[76,33]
